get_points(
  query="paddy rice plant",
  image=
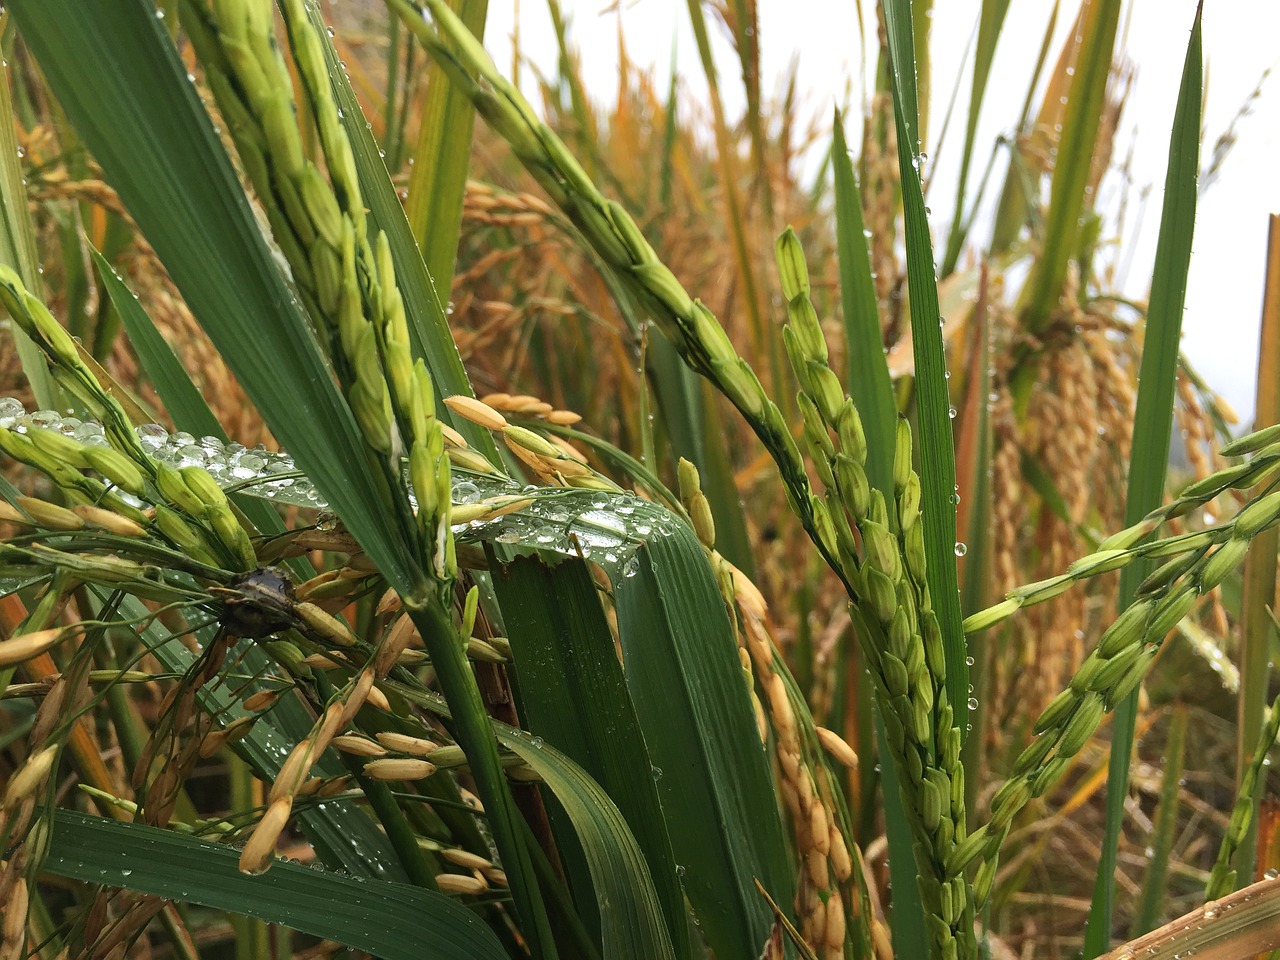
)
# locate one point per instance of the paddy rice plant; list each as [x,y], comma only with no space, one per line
[440,526]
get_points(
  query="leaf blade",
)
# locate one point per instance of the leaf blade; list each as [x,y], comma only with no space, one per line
[1153,426]
[409,920]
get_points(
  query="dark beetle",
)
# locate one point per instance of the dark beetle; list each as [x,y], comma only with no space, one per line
[257,604]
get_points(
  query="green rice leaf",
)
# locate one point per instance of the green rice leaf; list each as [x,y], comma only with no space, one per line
[438,181]
[389,920]
[871,388]
[18,241]
[867,377]
[617,866]
[686,681]
[1153,426]
[181,399]
[1164,832]
[935,443]
[572,695]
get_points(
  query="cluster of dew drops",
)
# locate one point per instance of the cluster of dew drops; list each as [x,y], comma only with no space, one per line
[605,528]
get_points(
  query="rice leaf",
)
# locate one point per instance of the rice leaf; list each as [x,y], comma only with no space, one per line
[867,377]
[18,241]
[684,676]
[1153,425]
[1244,924]
[974,520]
[618,869]
[572,694]
[181,399]
[937,456]
[871,388]
[389,920]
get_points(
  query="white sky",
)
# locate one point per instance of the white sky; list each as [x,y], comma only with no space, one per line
[1240,40]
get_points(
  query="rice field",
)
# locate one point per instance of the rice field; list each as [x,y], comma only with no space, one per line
[439,524]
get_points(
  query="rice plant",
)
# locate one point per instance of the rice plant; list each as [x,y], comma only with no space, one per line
[439,526]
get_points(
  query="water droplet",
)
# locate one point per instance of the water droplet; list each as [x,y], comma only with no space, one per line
[952,412]
[656,772]
[961,548]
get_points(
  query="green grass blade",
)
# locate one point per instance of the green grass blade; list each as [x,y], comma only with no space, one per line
[867,376]
[1153,425]
[937,454]
[1099,22]
[572,694]
[871,388]
[18,241]
[120,80]
[389,920]
[974,521]
[746,40]
[990,22]
[686,681]
[618,868]
[438,181]
[921,22]
[1259,592]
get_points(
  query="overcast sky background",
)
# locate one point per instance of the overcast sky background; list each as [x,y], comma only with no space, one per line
[1220,329]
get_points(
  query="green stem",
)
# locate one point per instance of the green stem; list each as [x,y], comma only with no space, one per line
[475,736]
